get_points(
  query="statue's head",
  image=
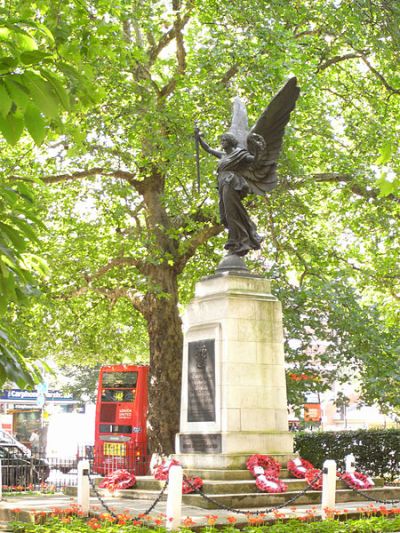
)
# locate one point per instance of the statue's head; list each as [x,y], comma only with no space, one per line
[229,138]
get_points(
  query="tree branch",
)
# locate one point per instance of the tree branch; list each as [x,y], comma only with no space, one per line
[229,74]
[194,242]
[117,262]
[338,59]
[168,37]
[135,298]
[81,174]
[180,48]
[379,76]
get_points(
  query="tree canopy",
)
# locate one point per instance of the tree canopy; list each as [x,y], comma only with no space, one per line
[128,232]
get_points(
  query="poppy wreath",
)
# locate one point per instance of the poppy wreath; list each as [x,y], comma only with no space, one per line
[259,464]
[160,472]
[119,479]
[311,476]
[270,483]
[357,480]
[298,467]
[190,484]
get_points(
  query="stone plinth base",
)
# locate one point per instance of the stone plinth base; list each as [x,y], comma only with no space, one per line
[223,461]
[233,381]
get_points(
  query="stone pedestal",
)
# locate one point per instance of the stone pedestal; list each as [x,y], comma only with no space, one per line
[233,382]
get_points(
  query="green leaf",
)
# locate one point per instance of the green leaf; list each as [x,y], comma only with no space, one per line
[17,91]
[11,127]
[8,64]
[34,56]
[386,153]
[35,124]
[4,33]
[25,41]
[5,100]
[14,236]
[58,88]
[42,94]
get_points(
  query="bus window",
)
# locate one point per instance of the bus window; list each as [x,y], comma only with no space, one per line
[112,428]
[116,395]
[120,380]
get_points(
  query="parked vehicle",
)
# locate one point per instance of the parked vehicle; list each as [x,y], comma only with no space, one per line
[121,410]
[19,468]
[7,438]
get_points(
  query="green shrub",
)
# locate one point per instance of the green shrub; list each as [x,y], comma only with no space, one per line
[377,452]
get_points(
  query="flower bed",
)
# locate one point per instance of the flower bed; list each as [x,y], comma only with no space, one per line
[255,524]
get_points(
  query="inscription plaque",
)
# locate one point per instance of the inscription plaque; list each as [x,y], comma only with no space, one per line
[201,381]
[200,442]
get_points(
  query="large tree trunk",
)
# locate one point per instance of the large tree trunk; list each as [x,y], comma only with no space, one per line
[166,341]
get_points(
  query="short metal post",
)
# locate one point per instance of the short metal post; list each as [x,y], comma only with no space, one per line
[174,499]
[350,462]
[328,488]
[1,483]
[83,486]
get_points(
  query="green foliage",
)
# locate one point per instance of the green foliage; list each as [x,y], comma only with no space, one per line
[79,525]
[377,452]
[36,83]
[125,220]
[18,270]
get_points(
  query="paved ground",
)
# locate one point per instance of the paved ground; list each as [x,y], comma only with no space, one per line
[135,507]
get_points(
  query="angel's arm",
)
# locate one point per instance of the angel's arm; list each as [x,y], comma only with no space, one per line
[205,146]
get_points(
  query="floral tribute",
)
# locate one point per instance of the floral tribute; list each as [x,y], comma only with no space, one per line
[266,471]
[160,471]
[298,467]
[259,464]
[191,484]
[313,476]
[357,480]
[119,479]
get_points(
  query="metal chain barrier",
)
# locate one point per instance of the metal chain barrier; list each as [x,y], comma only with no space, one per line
[111,512]
[98,496]
[371,498]
[241,511]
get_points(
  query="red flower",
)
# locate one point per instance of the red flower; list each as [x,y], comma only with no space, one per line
[313,477]
[357,480]
[298,467]
[188,522]
[160,472]
[191,484]
[258,464]
[211,519]
[270,484]
[119,479]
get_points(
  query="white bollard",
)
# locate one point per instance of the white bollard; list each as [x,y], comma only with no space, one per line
[83,486]
[328,499]
[174,499]
[1,483]
[350,462]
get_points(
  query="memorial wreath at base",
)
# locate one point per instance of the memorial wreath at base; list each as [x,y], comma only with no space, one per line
[357,480]
[298,467]
[313,476]
[160,471]
[117,480]
[266,471]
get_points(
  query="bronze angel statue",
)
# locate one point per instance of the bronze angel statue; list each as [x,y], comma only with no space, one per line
[248,164]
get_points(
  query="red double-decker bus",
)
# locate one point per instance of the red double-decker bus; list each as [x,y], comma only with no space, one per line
[121,408]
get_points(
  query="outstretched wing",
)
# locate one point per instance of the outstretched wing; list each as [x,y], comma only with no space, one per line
[266,136]
[239,127]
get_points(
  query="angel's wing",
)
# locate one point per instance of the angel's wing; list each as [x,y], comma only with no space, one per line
[239,127]
[266,136]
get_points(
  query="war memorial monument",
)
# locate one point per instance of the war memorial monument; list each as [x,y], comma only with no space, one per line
[234,400]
